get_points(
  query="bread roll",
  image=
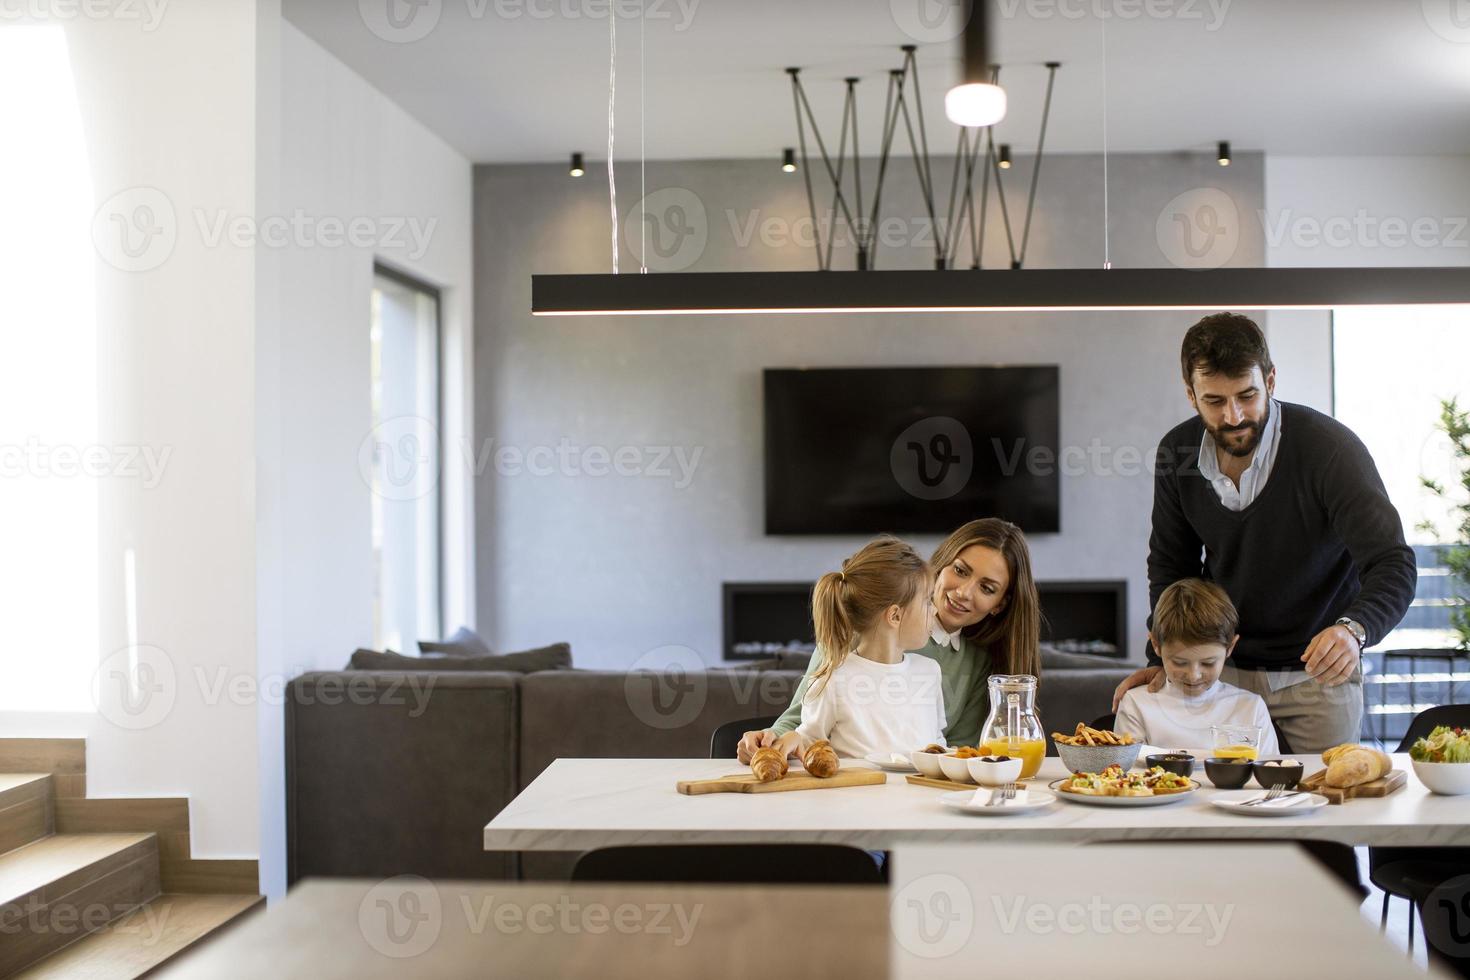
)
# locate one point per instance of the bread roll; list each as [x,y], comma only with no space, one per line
[820,759]
[768,764]
[1353,765]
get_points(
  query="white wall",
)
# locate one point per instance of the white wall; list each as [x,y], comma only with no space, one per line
[347,152]
[237,342]
[1354,211]
[167,119]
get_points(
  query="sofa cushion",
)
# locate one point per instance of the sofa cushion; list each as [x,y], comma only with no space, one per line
[558,656]
[638,715]
[1054,659]
[390,774]
[464,643]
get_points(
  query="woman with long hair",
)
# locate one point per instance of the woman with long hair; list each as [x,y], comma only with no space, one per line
[987,620]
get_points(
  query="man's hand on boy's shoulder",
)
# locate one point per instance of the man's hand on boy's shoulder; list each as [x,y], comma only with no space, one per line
[1152,676]
[1332,656]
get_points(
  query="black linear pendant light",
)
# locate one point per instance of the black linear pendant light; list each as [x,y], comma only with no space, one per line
[1002,290]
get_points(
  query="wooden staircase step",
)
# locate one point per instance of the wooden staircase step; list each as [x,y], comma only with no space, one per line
[57,889]
[144,938]
[25,809]
[57,864]
[64,758]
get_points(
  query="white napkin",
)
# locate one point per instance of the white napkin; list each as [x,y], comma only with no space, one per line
[983,795]
[1291,799]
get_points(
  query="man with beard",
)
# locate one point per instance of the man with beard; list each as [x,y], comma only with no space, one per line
[1282,507]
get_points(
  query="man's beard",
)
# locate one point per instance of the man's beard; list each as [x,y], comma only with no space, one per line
[1250,444]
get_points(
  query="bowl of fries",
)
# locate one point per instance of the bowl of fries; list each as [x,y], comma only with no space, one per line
[1091,749]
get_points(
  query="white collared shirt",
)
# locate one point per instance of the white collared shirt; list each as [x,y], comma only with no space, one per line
[1253,480]
[940,636]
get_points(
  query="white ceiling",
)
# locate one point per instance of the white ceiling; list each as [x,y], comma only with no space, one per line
[526,80]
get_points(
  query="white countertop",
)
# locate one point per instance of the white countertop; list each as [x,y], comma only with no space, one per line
[959,911]
[578,804]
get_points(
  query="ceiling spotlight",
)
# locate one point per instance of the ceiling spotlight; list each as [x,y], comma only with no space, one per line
[976,101]
[1224,153]
[788,160]
[576,169]
[1004,161]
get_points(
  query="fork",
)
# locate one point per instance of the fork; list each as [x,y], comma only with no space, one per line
[1001,794]
[1274,793]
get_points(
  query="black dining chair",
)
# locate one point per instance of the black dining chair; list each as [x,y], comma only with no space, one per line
[726,738]
[1413,872]
[766,864]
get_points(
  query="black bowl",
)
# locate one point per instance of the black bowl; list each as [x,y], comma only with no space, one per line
[1228,773]
[1287,775]
[1179,763]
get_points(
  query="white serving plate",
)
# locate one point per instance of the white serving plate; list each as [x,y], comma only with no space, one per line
[964,801]
[1233,800]
[1123,801]
[891,762]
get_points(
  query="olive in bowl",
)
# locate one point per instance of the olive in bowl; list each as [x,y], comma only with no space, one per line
[1228,773]
[1179,763]
[1277,772]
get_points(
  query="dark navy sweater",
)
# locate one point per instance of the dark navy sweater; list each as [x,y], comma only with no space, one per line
[1321,540]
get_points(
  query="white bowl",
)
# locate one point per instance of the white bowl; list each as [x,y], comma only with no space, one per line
[927,763]
[995,773]
[955,769]
[1444,778]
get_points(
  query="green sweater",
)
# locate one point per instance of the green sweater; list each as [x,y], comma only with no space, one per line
[963,673]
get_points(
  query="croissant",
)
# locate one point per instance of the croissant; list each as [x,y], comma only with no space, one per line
[1353,765]
[768,764]
[820,759]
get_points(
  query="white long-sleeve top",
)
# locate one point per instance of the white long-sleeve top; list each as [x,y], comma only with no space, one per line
[1170,720]
[864,707]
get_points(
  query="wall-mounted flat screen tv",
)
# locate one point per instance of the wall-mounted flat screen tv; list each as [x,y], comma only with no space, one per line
[906,450]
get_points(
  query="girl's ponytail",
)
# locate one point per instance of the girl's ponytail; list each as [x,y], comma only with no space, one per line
[846,604]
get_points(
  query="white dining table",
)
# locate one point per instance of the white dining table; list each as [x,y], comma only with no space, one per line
[579,804]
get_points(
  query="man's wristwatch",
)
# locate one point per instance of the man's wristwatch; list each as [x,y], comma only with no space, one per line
[1355,628]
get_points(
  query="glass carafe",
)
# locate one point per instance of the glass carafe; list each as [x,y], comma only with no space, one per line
[1013,727]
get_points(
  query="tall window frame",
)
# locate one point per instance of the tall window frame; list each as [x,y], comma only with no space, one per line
[407,397]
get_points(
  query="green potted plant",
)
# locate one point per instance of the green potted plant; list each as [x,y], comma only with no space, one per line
[1455,424]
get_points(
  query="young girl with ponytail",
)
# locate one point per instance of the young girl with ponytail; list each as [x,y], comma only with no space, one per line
[986,620]
[869,694]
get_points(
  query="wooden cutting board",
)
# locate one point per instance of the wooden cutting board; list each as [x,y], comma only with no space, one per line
[1392,781]
[745,782]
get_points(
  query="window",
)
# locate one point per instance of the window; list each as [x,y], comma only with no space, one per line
[405,461]
[1392,366]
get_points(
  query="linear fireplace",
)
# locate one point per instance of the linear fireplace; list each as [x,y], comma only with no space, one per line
[765,619]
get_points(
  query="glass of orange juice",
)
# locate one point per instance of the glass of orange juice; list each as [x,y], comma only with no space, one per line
[1029,751]
[1237,741]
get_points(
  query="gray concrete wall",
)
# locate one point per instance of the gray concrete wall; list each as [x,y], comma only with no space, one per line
[621,565]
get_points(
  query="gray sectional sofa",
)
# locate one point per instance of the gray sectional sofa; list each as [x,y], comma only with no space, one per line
[397,772]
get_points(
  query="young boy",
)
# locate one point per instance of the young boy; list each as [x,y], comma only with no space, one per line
[1194,632]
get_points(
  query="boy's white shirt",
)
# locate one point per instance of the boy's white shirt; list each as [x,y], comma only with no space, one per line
[865,707]
[1170,720]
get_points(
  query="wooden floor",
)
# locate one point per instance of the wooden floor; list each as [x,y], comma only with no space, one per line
[144,938]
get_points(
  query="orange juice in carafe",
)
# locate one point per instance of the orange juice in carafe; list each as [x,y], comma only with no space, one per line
[1013,728]
[1030,752]
[1235,752]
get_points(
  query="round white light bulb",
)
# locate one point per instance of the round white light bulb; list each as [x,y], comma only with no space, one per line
[975,104]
